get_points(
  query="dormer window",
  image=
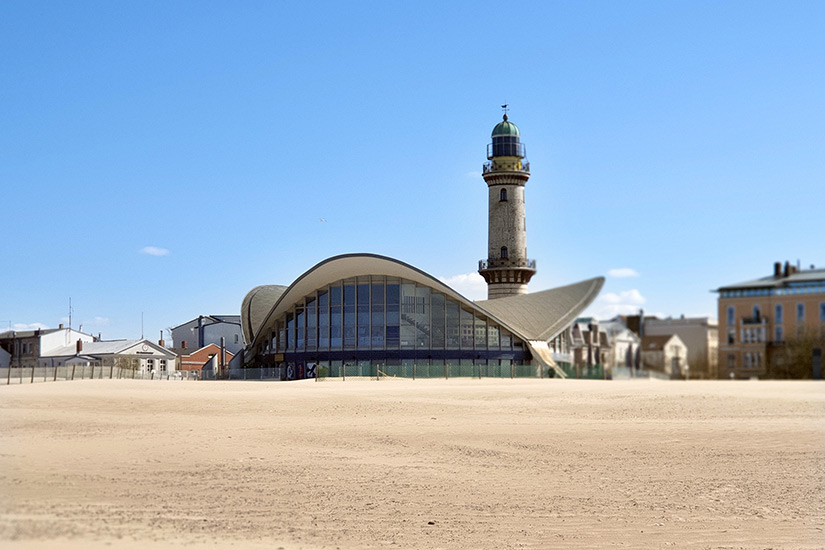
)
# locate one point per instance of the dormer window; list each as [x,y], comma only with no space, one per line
[503,252]
[503,195]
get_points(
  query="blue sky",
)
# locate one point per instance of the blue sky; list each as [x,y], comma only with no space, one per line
[160,159]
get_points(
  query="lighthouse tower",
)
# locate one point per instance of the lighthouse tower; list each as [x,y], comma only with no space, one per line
[506,269]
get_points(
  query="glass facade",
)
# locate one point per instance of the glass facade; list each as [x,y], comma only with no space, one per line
[356,326]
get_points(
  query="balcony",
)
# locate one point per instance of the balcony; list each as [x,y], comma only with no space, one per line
[488,167]
[755,320]
[506,264]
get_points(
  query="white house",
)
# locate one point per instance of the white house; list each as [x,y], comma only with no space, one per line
[666,354]
[142,355]
[625,343]
[699,334]
[27,347]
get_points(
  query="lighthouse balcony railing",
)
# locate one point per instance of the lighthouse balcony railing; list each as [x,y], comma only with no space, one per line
[504,263]
[506,150]
[488,167]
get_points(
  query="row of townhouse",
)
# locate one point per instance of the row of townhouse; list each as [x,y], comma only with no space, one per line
[216,341]
[675,348]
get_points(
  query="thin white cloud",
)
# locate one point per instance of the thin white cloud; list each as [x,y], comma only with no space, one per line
[27,326]
[623,272]
[475,174]
[154,251]
[630,297]
[469,285]
[610,304]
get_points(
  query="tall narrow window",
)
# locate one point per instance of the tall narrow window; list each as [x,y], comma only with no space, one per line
[778,314]
[503,252]
[800,312]
[731,314]
[503,195]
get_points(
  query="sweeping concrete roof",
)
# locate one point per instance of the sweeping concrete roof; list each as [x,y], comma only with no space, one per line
[256,305]
[536,316]
[543,315]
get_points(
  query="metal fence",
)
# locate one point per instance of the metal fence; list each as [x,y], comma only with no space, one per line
[379,371]
[29,375]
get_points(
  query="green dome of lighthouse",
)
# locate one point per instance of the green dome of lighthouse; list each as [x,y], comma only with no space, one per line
[505,128]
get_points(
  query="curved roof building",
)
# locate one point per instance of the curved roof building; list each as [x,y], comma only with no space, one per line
[368,313]
[364,314]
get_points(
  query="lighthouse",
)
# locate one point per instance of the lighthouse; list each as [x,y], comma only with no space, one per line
[507,270]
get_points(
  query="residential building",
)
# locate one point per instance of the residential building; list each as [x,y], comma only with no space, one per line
[699,334]
[198,359]
[666,354]
[624,342]
[26,348]
[773,326]
[210,329]
[143,356]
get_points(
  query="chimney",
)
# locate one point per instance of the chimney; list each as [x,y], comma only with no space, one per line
[223,353]
[787,269]
[161,343]
[61,325]
[777,269]
[641,323]
[79,345]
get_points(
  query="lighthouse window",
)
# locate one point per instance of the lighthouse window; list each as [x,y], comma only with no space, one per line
[503,195]
[503,252]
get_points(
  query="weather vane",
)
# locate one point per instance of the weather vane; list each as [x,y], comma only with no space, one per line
[505,108]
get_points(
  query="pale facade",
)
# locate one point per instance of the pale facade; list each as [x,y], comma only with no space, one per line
[699,334]
[209,329]
[666,354]
[142,356]
[624,343]
[26,348]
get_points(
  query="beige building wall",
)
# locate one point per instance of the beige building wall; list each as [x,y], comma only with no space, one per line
[754,330]
[699,334]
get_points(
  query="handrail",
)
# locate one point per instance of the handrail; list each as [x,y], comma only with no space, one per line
[505,263]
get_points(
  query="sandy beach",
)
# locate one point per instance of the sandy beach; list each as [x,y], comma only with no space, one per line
[412,464]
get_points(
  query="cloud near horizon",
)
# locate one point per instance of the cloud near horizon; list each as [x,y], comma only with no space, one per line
[154,251]
[17,327]
[470,285]
[622,272]
[610,304]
